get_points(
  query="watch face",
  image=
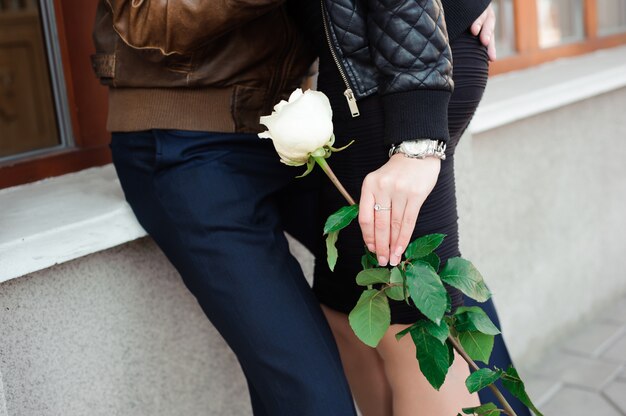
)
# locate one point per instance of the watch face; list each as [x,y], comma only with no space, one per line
[415,147]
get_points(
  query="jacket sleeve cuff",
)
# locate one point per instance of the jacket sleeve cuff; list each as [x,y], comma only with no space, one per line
[417,114]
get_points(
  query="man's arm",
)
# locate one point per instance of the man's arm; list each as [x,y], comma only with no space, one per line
[182,25]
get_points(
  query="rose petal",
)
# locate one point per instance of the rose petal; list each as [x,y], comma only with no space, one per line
[297,93]
[278,106]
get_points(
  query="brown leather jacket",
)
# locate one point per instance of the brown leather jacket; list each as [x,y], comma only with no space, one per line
[196,65]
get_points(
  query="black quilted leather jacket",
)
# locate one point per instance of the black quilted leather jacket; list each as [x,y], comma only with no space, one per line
[390,45]
[399,49]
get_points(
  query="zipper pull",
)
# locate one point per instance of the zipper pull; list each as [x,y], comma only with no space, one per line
[354,108]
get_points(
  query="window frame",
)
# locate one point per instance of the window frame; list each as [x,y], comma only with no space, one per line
[86,103]
[528,53]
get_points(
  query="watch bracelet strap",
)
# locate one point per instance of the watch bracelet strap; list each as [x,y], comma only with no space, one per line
[438,151]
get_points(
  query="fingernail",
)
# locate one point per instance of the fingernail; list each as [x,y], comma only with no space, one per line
[488,38]
[394,260]
[382,261]
[371,247]
[399,251]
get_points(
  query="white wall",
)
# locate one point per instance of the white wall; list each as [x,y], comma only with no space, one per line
[542,206]
[113,333]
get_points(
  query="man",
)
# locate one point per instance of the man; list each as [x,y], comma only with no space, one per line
[188,82]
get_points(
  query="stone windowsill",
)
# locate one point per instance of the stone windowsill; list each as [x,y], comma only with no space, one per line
[521,94]
[64,218]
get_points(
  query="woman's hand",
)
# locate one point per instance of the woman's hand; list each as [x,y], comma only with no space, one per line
[485,26]
[402,184]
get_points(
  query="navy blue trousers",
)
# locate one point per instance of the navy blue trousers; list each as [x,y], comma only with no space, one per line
[217,205]
[499,358]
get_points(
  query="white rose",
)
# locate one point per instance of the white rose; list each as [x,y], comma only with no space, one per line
[300,126]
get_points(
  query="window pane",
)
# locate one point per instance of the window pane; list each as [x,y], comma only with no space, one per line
[505,27]
[611,16]
[28,120]
[560,21]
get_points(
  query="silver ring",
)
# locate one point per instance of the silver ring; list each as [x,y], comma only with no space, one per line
[378,207]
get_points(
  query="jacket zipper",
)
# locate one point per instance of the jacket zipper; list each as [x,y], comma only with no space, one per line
[354,108]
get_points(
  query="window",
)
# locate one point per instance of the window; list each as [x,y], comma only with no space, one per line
[560,21]
[52,107]
[32,98]
[505,27]
[611,16]
[530,32]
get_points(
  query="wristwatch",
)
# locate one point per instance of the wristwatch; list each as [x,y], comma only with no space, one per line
[420,148]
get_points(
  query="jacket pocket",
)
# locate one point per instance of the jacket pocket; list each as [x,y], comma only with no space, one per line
[103,65]
[248,106]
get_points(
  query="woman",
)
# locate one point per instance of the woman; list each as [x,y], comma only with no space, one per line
[386,67]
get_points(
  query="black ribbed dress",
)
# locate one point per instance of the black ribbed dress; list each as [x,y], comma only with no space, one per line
[338,289]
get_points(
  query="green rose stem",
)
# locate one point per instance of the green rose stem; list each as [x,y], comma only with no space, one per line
[505,404]
[321,161]
[331,175]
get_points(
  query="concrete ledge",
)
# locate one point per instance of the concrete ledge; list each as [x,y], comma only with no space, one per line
[61,219]
[521,94]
